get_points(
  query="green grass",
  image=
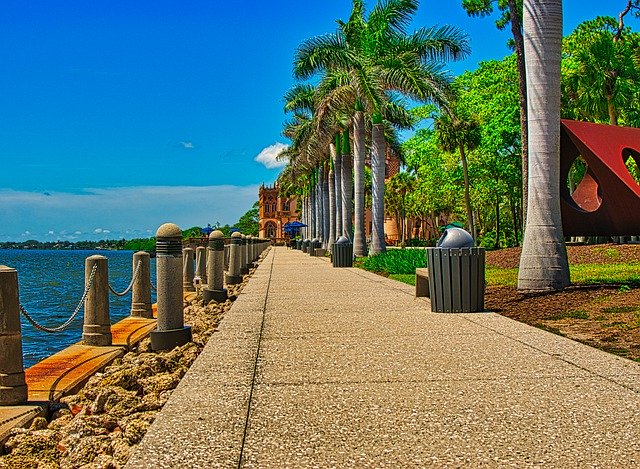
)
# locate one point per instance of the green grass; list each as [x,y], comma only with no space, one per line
[619,309]
[572,313]
[409,279]
[400,264]
[581,274]
[611,253]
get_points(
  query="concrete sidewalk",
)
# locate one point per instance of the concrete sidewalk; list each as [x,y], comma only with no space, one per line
[322,367]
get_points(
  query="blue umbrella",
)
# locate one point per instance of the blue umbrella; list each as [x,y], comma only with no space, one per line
[294,224]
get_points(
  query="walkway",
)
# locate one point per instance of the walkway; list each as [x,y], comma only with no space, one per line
[322,367]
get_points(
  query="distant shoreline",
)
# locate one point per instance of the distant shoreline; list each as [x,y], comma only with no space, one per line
[140,244]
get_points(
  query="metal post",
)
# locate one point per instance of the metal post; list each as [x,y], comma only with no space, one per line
[141,290]
[13,387]
[235,259]
[187,270]
[244,265]
[97,324]
[215,269]
[171,331]
[201,264]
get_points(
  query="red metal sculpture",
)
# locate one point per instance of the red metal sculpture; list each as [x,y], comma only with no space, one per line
[607,200]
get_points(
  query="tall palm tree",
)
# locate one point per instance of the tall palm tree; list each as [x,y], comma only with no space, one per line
[543,264]
[377,56]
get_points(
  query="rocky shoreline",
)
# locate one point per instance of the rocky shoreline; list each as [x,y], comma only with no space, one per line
[100,425]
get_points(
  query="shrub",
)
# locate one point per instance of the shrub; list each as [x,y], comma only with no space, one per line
[396,261]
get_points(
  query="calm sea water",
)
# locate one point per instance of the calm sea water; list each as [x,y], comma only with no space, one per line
[51,284]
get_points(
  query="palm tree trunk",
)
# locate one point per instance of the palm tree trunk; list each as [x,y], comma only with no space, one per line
[325,206]
[613,115]
[305,216]
[320,204]
[347,187]
[337,165]
[359,241]
[467,196]
[332,207]
[516,31]
[543,264]
[378,155]
[313,206]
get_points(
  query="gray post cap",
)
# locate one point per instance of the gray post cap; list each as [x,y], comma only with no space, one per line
[342,240]
[236,234]
[169,230]
[216,234]
[455,237]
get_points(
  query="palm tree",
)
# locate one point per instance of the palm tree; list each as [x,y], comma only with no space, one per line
[461,134]
[600,75]
[543,264]
[376,57]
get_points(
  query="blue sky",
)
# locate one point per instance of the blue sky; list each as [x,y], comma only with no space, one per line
[117,116]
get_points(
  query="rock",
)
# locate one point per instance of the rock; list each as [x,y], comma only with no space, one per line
[103,461]
[38,423]
[86,451]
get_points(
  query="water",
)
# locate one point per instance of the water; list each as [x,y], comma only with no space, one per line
[51,284]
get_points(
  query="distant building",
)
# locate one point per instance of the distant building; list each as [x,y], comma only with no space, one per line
[275,212]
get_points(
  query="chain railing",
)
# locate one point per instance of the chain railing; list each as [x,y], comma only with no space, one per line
[63,326]
[133,279]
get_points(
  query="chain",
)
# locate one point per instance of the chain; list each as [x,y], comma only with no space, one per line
[23,414]
[73,316]
[133,279]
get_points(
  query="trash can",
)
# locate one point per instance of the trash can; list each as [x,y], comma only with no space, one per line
[305,245]
[315,243]
[342,252]
[456,273]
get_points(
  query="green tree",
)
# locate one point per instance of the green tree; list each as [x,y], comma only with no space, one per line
[543,263]
[601,78]
[375,54]
[397,199]
[248,224]
[511,14]
[458,131]
[490,94]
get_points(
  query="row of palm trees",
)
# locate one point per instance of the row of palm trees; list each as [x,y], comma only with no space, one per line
[361,75]
[362,71]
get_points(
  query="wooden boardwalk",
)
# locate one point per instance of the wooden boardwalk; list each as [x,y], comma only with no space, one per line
[65,372]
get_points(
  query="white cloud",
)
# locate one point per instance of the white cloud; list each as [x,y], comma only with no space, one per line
[50,232]
[139,210]
[187,145]
[268,156]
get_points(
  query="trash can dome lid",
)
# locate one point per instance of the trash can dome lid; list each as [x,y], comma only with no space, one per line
[454,237]
[314,240]
[342,240]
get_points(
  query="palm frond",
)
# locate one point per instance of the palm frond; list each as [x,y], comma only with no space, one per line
[300,99]
[439,44]
[391,16]
[321,53]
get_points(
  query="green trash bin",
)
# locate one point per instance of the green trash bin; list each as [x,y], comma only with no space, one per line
[456,279]
[342,252]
